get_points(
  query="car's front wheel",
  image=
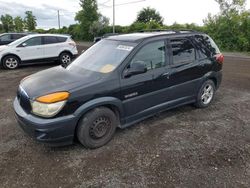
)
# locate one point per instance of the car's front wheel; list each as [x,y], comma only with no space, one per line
[10,62]
[65,58]
[206,94]
[97,127]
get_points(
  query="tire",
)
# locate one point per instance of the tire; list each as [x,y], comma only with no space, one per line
[65,58]
[97,127]
[10,62]
[206,94]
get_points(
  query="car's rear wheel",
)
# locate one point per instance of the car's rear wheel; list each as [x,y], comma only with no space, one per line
[206,94]
[65,58]
[11,62]
[97,127]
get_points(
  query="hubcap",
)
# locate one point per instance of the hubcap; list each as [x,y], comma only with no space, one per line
[207,94]
[66,59]
[11,63]
[100,127]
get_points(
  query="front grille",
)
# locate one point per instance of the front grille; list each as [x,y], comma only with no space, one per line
[24,100]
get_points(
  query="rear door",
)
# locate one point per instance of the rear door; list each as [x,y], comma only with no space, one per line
[51,46]
[185,74]
[31,49]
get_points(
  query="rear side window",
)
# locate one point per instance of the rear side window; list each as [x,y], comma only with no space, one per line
[153,55]
[61,39]
[183,51]
[16,36]
[50,40]
[207,45]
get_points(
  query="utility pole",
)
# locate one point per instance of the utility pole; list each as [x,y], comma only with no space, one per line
[113,16]
[58,16]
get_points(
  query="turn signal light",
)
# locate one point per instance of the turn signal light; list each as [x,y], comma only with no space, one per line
[219,58]
[53,97]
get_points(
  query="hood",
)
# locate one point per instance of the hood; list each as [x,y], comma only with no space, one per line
[54,80]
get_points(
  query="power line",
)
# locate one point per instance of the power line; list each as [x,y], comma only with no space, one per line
[133,2]
[126,3]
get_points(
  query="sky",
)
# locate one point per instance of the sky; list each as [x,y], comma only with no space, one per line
[180,11]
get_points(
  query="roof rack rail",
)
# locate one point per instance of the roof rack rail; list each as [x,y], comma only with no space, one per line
[168,30]
[157,30]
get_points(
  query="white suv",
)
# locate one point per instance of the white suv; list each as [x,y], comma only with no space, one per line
[38,48]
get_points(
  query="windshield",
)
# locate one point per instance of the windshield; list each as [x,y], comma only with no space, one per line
[102,57]
[19,41]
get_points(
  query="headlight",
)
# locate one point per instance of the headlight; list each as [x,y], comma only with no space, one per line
[49,105]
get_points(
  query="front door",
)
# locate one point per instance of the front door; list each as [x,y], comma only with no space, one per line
[31,49]
[138,91]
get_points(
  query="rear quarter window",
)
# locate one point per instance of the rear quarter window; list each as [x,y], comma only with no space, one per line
[61,39]
[206,45]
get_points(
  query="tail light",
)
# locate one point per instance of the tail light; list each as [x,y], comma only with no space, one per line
[72,44]
[219,58]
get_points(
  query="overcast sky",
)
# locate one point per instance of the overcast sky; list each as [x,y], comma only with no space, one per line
[181,11]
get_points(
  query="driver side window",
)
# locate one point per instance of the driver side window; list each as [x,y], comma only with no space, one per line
[34,41]
[152,55]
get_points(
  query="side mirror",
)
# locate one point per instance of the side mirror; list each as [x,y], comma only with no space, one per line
[137,67]
[24,44]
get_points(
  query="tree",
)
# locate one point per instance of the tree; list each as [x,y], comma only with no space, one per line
[7,22]
[149,14]
[30,21]
[86,17]
[99,25]
[227,6]
[230,28]
[19,24]
[1,28]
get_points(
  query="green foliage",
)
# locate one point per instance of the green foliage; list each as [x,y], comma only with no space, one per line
[1,28]
[86,17]
[7,22]
[231,27]
[148,14]
[97,26]
[30,21]
[19,24]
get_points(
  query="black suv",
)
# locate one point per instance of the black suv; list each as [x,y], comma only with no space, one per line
[8,38]
[117,82]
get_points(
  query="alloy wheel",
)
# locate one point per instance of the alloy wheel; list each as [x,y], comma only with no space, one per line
[11,63]
[207,94]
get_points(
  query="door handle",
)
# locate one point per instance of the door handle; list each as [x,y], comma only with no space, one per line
[164,75]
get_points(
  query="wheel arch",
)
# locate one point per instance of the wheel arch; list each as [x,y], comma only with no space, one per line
[10,54]
[214,77]
[112,103]
[66,51]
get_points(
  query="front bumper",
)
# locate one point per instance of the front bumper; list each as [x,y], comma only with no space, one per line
[56,132]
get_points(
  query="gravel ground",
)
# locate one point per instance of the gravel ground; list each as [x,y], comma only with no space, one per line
[184,147]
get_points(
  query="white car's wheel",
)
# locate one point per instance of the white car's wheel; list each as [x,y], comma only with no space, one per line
[11,62]
[65,58]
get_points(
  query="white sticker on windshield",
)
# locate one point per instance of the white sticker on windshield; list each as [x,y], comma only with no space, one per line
[123,47]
